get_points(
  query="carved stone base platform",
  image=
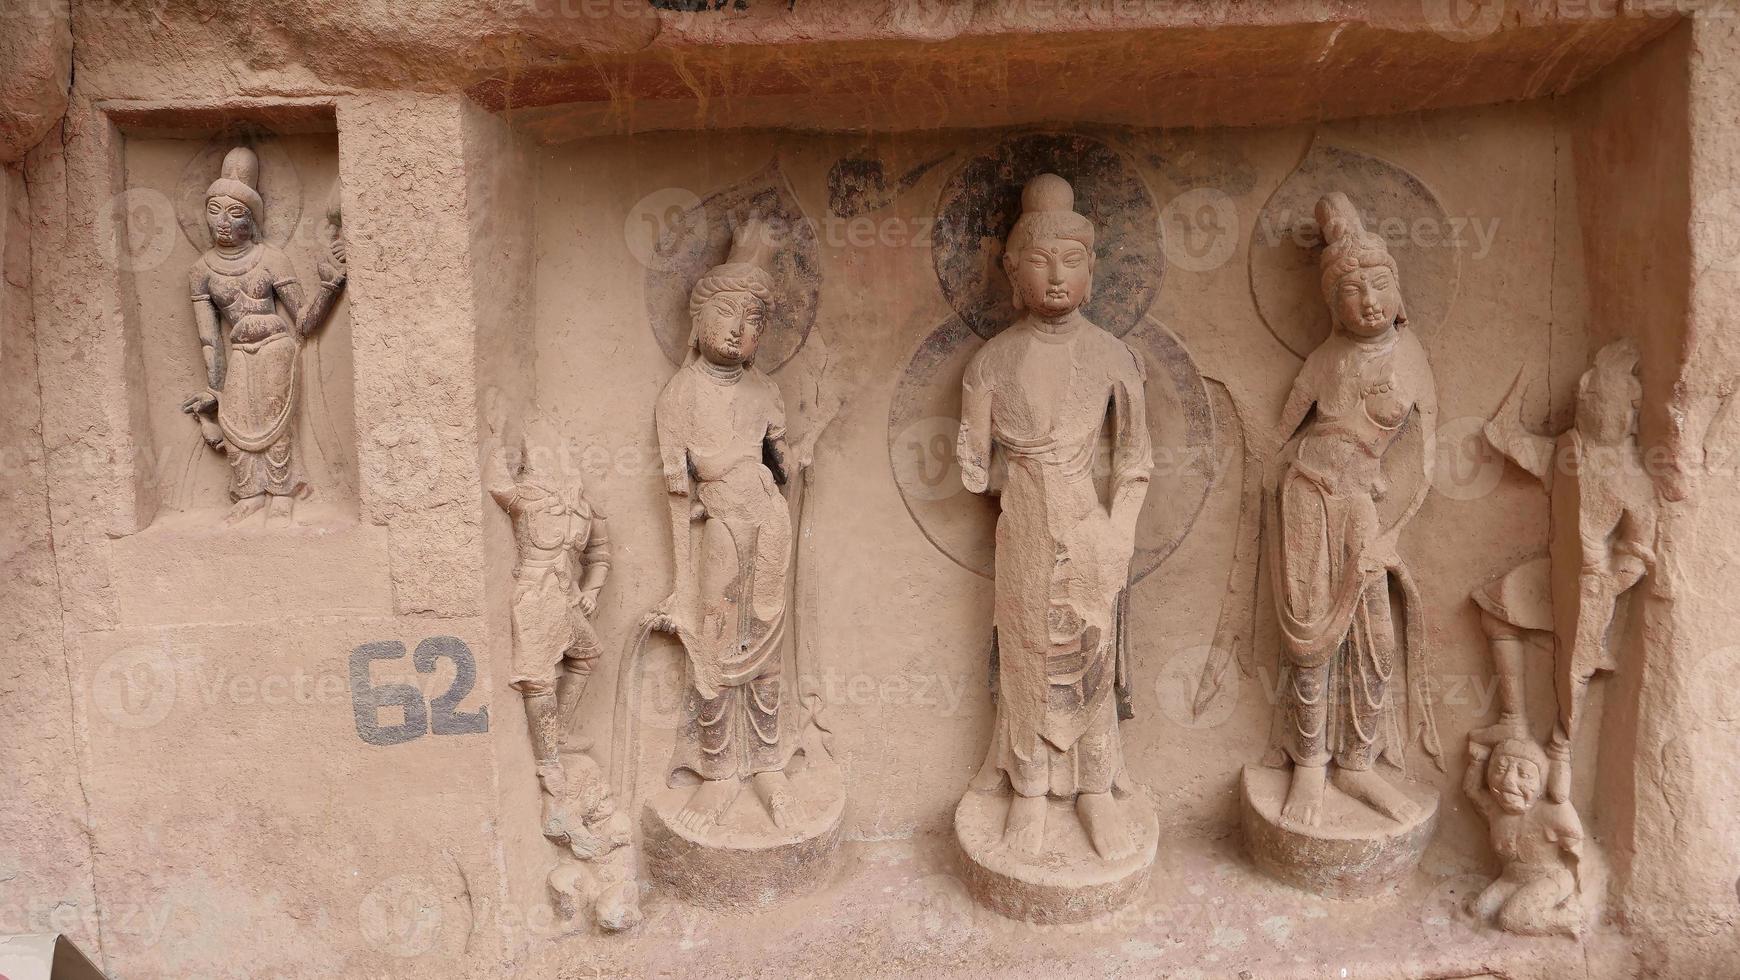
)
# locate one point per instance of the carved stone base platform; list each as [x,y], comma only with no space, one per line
[1354,852]
[743,862]
[1071,882]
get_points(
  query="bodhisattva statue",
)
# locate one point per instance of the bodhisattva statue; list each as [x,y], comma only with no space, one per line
[722,438]
[1333,563]
[1333,556]
[252,372]
[1602,543]
[721,427]
[1034,403]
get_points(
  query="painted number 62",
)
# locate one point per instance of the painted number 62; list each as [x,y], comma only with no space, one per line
[438,716]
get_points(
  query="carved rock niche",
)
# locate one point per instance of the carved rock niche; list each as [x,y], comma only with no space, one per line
[308,463]
[894,487]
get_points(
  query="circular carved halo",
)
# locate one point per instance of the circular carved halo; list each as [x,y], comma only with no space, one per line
[980,202]
[925,415]
[699,238]
[1393,203]
[280,189]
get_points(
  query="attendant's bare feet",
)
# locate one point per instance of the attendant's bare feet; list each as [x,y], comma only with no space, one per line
[776,794]
[708,804]
[1304,806]
[1376,792]
[1024,829]
[278,512]
[563,825]
[244,508]
[1105,826]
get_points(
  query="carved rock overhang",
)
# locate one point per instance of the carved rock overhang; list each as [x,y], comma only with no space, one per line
[569,69]
[1252,64]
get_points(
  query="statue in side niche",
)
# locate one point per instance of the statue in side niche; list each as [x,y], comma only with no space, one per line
[562,542]
[727,462]
[1343,827]
[1034,402]
[1601,545]
[252,321]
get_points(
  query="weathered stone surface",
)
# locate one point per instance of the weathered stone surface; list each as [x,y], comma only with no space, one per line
[45,862]
[1071,883]
[1560,174]
[1353,854]
[736,865]
[36,64]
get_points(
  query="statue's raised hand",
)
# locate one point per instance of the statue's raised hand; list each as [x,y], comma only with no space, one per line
[332,266]
[672,615]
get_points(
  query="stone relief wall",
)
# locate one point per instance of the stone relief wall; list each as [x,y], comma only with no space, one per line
[779,362]
[896,644]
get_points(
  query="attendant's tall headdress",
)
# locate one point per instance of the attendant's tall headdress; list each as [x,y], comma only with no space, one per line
[238,178]
[743,271]
[1348,247]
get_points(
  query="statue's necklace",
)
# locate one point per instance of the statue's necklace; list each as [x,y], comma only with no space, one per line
[721,374]
[234,263]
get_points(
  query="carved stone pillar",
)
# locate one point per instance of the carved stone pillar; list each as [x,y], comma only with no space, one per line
[416,392]
[1665,270]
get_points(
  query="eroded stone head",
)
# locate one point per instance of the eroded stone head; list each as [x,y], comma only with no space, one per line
[1049,257]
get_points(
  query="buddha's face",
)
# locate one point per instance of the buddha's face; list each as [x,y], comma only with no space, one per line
[1368,300]
[729,327]
[1051,275]
[230,221]
[1514,780]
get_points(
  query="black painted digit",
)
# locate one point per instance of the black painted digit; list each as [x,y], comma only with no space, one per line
[368,698]
[443,719]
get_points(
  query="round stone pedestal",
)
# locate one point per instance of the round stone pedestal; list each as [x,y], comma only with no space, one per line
[1070,882]
[744,861]
[1353,852]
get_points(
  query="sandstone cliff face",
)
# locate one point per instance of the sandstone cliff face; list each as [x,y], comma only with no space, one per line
[36,63]
[501,162]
